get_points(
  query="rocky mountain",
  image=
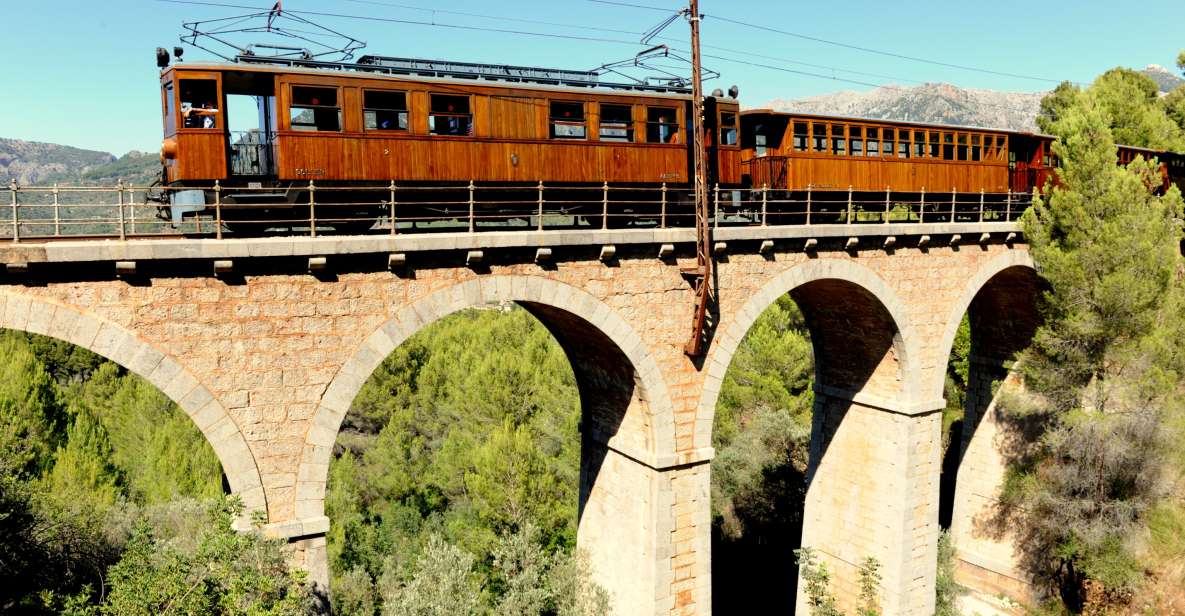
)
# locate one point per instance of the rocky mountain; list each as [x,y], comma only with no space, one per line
[938,103]
[32,162]
[942,103]
[1165,78]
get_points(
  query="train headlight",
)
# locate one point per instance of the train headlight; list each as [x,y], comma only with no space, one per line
[168,149]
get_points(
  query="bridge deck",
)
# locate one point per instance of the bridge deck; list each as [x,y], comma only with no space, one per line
[867,236]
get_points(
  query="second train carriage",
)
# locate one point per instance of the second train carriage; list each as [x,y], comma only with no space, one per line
[796,152]
[264,130]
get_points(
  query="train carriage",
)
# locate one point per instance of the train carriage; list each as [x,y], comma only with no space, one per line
[796,152]
[264,130]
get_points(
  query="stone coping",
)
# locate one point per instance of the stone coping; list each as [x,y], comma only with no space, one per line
[79,251]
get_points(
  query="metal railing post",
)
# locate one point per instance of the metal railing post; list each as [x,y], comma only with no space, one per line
[888,203]
[954,196]
[1008,207]
[57,219]
[716,207]
[764,205]
[662,217]
[539,225]
[808,205]
[312,209]
[16,221]
[981,205]
[123,234]
[131,201]
[217,209]
[393,223]
[922,207]
[849,204]
[605,206]
[472,222]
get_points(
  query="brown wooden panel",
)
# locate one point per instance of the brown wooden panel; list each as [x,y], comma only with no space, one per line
[512,117]
[201,155]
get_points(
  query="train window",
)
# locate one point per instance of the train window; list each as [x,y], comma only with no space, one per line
[315,109]
[874,145]
[948,146]
[662,125]
[819,134]
[801,137]
[856,142]
[1001,148]
[728,128]
[961,151]
[199,103]
[383,110]
[903,144]
[449,115]
[975,152]
[919,144]
[838,142]
[617,123]
[567,121]
[170,108]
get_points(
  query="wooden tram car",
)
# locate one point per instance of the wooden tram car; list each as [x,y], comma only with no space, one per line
[800,152]
[264,130]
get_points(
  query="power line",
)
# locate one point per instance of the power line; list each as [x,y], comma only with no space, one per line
[816,39]
[635,6]
[414,22]
[879,52]
[745,62]
[493,17]
[842,79]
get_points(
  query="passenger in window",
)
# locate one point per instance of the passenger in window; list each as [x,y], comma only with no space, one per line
[665,133]
[199,117]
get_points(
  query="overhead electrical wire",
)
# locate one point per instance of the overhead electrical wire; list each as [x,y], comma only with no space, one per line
[494,17]
[882,53]
[634,43]
[816,39]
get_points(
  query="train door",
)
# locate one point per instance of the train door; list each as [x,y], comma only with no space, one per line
[1020,153]
[251,124]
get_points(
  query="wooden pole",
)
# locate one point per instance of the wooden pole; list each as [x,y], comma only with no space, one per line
[702,275]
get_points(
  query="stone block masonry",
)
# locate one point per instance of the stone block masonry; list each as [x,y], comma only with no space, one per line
[268,361]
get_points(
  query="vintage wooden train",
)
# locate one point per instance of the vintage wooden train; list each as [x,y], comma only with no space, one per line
[263,128]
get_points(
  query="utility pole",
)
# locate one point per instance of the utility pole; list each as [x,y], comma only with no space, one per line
[701,276]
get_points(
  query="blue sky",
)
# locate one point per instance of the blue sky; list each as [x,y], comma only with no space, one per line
[83,73]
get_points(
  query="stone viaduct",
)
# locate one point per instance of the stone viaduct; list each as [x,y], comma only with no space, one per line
[267,355]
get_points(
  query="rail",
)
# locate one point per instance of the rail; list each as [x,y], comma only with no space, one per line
[306,208]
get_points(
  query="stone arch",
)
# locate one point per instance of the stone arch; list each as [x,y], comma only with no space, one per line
[628,426]
[1001,303]
[547,299]
[114,342]
[853,276]
[1021,260]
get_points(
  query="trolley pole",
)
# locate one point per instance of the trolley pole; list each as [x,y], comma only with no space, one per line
[701,276]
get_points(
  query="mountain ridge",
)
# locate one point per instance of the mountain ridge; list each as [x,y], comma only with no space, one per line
[38,162]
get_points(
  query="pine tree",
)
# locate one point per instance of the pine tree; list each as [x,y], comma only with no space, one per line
[1102,372]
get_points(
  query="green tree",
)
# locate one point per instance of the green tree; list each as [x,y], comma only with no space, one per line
[224,572]
[1102,371]
[441,582]
[1130,100]
[1054,104]
[31,414]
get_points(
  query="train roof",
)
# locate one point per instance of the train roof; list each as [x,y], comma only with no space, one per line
[982,129]
[432,71]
